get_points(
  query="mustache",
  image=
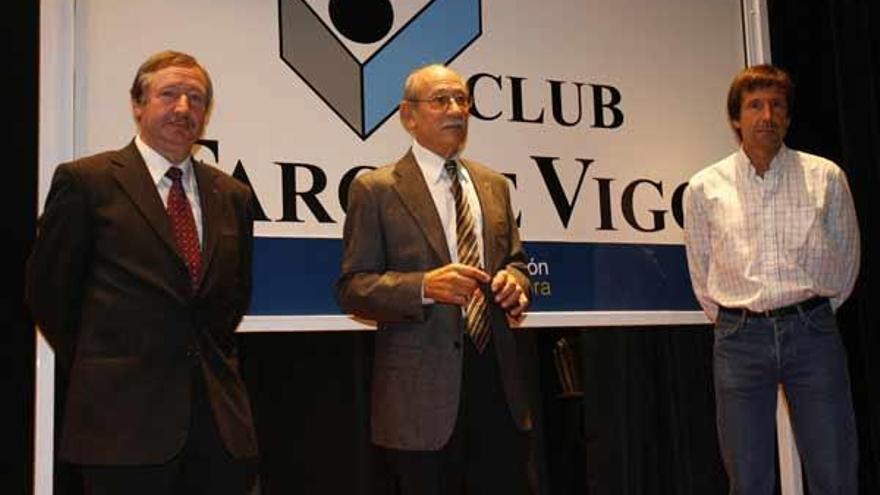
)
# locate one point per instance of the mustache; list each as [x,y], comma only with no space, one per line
[186,120]
[453,123]
[767,126]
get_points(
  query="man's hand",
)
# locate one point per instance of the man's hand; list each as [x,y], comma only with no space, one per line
[454,283]
[509,295]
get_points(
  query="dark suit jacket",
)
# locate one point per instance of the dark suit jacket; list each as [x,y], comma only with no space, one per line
[112,296]
[392,236]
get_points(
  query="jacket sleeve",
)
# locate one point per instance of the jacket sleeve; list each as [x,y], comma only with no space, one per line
[516,259]
[57,265]
[245,210]
[366,287]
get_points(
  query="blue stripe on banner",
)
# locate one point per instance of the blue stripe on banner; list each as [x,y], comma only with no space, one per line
[609,277]
[294,276]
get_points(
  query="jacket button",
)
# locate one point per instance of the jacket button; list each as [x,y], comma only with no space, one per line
[457,344]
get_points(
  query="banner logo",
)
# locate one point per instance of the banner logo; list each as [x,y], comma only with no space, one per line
[364,93]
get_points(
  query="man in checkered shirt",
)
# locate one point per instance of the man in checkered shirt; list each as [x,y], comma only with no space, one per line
[773,250]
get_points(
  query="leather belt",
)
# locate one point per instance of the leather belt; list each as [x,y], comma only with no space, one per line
[792,309]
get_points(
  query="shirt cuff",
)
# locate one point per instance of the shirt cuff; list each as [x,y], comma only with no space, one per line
[425,300]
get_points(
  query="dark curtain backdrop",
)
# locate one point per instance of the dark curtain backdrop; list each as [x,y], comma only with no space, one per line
[832,49]
[645,422]
[21,69]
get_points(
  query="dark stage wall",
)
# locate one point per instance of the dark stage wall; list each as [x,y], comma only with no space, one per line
[21,22]
[645,423]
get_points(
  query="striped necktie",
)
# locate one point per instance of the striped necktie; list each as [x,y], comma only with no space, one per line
[468,253]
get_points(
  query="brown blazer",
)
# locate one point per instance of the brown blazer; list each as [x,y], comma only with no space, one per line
[112,296]
[392,236]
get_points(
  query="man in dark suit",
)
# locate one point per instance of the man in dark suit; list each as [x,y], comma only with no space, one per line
[432,253]
[140,273]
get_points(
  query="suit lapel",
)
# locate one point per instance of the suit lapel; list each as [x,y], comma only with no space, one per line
[487,205]
[413,191]
[132,174]
[211,213]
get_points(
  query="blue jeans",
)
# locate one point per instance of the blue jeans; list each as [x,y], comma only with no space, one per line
[803,352]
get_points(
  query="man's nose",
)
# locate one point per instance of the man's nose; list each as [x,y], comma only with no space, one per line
[454,107]
[182,104]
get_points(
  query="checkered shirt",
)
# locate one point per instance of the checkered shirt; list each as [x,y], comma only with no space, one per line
[766,243]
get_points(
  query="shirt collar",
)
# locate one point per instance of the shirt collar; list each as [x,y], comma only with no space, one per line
[432,164]
[777,164]
[157,164]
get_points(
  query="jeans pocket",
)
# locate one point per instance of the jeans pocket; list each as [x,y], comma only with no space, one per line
[727,324]
[820,319]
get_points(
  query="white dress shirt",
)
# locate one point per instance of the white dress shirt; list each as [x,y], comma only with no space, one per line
[764,243]
[157,165]
[439,183]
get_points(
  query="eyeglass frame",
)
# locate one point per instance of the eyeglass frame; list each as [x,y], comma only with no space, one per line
[442,102]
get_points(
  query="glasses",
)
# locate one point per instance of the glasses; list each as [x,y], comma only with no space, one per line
[442,102]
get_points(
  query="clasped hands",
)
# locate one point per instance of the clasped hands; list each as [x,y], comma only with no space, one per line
[456,283]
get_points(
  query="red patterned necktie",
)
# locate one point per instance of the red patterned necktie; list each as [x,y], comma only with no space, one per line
[184,226]
[468,253]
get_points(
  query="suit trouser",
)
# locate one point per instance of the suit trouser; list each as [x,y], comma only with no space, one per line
[486,453]
[803,352]
[203,465]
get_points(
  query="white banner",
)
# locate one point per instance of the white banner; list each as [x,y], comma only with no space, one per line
[597,111]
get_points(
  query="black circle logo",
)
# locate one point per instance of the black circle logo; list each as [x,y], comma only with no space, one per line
[362,21]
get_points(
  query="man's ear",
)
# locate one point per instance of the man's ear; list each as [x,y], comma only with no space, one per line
[136,110]
[406,115]
[735,124]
